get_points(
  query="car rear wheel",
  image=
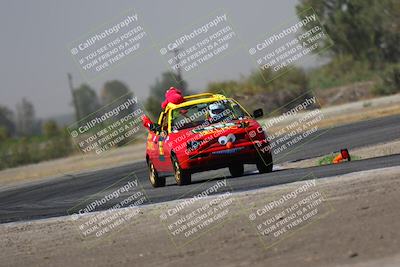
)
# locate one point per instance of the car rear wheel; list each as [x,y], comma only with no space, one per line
[182,177]
[155,180]
[236,170]
[265,164]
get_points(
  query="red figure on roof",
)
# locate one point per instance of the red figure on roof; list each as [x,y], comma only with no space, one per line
[174,96]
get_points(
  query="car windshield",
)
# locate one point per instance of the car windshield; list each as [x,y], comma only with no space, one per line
[206,113]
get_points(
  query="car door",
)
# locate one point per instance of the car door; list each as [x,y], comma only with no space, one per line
[164,142]
[152,149]
[162,154]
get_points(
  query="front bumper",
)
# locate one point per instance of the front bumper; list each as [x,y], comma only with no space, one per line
[210,159]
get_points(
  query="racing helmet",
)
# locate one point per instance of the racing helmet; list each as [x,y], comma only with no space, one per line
[215,109]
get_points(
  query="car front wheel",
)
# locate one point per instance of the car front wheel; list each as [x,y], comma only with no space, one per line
[155,180]
[265,163]
[182,177]
[236,170]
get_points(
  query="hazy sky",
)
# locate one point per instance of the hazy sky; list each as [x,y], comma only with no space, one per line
[35,36]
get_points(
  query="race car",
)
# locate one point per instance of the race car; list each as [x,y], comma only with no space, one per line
[205,132]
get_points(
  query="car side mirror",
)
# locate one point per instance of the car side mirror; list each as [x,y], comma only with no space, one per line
[258,113]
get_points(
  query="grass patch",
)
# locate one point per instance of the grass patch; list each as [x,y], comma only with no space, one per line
[329,159]
[326,160]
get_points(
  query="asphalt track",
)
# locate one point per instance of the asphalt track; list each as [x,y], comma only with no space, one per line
[56,196]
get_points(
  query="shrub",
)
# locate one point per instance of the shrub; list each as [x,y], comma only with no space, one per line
[389,81]
[340,71]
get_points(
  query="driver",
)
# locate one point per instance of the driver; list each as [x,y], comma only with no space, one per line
[216,112]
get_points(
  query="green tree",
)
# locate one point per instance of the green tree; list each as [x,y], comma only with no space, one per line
[50,129]
[366,29]
[157,91]
[86,100]
[284,89]
[224,87]
[6,120]
[153,106]
[25,118]
[113,90]
[117,93]
[389,82]
[3,134]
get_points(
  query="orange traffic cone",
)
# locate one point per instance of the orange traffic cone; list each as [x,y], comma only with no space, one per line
[337,159]
[344,154]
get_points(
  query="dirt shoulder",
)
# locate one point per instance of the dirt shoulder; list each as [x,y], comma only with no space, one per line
[360,229]
[367,152]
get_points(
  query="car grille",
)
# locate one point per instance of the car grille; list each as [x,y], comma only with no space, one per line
[228,151]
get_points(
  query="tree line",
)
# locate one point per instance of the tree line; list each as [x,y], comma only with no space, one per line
[26,139]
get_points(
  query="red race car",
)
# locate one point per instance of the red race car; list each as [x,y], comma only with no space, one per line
[205,132]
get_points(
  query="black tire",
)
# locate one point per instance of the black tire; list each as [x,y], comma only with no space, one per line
[155,180]
[265,163]
[236,170]
[182,177]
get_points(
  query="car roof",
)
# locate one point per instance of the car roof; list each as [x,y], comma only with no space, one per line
[196,99]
